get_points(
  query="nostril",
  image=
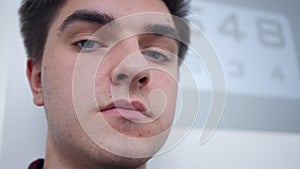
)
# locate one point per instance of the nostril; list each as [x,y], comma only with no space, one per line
[143,80]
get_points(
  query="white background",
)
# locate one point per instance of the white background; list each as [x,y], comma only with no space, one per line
[258,130]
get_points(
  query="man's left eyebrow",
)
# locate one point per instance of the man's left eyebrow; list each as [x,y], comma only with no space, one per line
[86,16]
[162,30]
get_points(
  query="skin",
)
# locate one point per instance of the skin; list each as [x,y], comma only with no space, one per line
[80,135]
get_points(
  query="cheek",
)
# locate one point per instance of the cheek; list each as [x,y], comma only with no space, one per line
[102,79]
[167,85]
[57,72]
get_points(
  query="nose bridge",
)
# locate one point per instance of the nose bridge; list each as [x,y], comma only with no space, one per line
[130,66]
[126,47]
[127,56]
[133,66]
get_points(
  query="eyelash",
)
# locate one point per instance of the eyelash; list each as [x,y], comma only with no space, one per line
[83,45]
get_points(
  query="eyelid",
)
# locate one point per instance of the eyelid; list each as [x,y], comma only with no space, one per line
[160,49]
[161,41]
[164,52]
[87,37]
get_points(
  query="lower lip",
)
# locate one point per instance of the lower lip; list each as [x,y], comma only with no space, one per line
[132,115]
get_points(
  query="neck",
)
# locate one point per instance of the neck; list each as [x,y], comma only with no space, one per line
[61,160]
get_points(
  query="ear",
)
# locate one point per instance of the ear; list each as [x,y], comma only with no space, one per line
[34,77]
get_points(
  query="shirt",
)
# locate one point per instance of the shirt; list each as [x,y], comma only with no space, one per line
[38,164]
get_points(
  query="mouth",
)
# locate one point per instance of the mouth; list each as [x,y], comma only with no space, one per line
[134,111]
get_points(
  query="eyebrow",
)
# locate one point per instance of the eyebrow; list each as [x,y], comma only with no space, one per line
[87,16]
[162,30]
[97,17]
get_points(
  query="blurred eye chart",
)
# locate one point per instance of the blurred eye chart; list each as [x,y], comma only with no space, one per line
[256,49]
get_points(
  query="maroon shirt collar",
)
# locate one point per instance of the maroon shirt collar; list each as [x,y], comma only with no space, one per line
[38,164]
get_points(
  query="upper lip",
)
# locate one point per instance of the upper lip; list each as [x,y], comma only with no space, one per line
[124,104]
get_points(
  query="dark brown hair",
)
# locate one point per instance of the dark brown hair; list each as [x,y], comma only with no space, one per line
[36,17]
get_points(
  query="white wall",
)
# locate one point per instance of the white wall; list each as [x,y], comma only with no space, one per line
[233,149]
[23,126]
[5,11]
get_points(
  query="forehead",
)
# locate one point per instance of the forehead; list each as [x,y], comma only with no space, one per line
[115,8]
[118,8]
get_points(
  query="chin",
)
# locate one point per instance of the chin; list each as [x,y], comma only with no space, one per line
[112,161]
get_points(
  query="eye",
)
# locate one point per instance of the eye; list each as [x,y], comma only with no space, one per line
[88,45]
[156,56]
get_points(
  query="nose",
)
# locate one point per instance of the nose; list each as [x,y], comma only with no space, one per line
[132,71]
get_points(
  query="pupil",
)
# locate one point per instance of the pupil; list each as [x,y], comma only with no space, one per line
[88,44]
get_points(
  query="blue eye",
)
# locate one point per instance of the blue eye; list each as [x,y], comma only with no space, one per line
[157,56]
[88,45]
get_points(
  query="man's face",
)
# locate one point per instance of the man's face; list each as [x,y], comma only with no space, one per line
[108,91]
